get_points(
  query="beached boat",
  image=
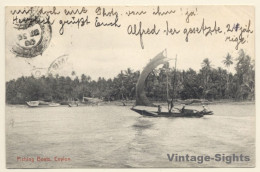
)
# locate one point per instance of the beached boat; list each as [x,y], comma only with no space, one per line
[91,100]
[142,101]
[54,104]
[73,104]
[33,103]
[44,103]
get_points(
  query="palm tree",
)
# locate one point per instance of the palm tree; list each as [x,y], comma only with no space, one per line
[73,73]
[206,68]
[228,61]
[206,64]
[246,76]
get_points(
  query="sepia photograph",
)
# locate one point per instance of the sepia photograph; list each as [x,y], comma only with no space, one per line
[155,86]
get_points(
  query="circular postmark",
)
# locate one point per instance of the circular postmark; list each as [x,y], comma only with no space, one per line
[38,72]
[33,35]
[58,64]
[54,67]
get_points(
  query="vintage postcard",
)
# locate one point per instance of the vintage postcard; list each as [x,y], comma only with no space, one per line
[130,86]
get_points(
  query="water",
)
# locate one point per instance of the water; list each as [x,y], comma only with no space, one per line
[115,136]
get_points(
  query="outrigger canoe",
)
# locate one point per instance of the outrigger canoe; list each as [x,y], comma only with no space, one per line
[186,113]
[73,104]
[33,103]
[54,104]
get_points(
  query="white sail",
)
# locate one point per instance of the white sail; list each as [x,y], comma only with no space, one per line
[141,98]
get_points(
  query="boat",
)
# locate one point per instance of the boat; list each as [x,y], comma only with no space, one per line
[91,100]
[54,104]
[175,113]
[142,101]
[186,113]
[33,103]
[73,104]
[44,103]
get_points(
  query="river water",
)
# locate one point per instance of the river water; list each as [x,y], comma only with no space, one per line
[116,137]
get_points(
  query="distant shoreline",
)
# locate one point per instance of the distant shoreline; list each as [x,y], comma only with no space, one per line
[132,102]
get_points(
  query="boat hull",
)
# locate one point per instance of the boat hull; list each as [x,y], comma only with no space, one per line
[72,105]
[33,103]
[167,114]
[54,104]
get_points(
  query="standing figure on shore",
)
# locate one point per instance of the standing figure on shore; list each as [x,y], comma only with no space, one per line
[159,109]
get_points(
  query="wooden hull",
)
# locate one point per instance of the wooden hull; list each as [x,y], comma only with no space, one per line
[72,105]
[167,114]
[54,104]
[33,103]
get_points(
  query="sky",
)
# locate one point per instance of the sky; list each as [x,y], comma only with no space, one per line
[105,51]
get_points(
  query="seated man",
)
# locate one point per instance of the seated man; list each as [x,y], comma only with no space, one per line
[204,108]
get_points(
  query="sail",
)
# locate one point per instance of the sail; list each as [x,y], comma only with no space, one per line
[141,98]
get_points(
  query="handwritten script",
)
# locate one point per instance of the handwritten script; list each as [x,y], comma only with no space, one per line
[184,24]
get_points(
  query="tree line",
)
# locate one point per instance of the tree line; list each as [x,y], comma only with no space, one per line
[207,83]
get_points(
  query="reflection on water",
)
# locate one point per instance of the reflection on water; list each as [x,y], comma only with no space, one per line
[142,124]
[113,136]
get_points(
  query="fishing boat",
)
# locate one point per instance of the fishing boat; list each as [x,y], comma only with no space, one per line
[73,104]
[142,101]
[91,100]
[54,104]
[33,103]
[186,113]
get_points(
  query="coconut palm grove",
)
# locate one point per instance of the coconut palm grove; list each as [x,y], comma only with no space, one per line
[210,82]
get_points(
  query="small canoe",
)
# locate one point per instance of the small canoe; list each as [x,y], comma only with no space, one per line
[73,104]
[54,104]
[33,103]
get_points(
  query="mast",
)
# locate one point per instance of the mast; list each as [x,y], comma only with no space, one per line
[167,87]
[174,78]
[167,82]
[167,91]
[170,102]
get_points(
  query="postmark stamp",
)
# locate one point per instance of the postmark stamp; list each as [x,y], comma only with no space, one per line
[34,33]
[54,68]
[58,63]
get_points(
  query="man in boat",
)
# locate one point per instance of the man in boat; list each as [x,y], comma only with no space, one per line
[170,104]
[182,110]
[204,109]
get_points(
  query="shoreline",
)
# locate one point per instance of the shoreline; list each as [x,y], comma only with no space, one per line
[132,102]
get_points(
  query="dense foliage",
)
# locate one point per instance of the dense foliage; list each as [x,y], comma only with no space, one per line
[208,82]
